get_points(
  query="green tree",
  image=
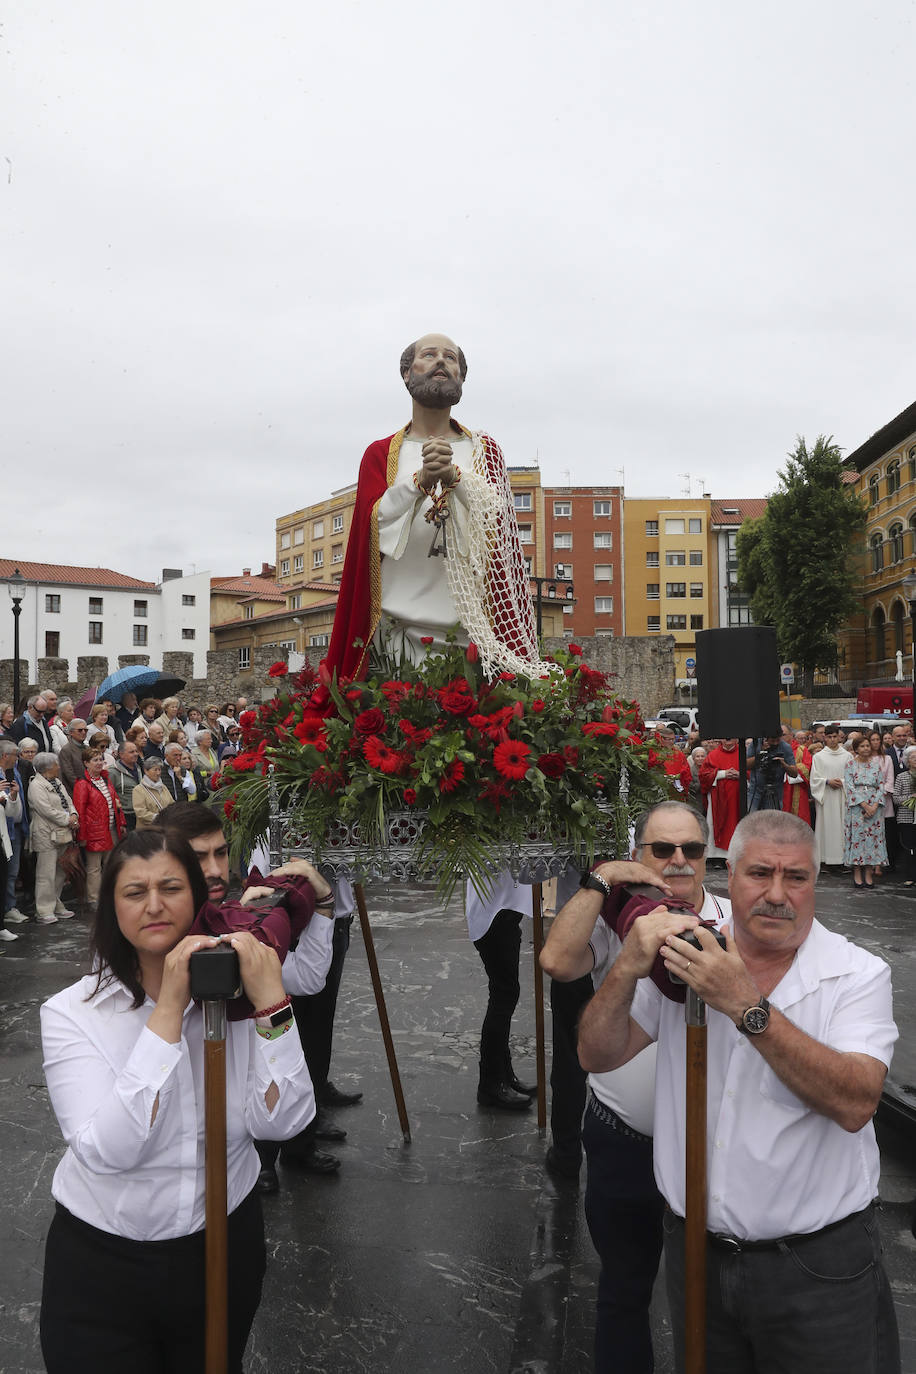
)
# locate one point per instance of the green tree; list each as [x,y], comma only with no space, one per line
[796,562]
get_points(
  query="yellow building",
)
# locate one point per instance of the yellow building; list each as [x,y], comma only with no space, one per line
[667,556]
[311,542]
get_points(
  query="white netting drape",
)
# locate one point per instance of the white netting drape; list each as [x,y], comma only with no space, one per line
[487,580]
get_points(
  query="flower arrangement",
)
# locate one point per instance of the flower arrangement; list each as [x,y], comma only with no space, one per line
[489,763]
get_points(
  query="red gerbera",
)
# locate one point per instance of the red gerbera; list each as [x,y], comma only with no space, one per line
[378,755]
[600,727]
[395,691]
[278,669]
[453,774]
[511,758]
[310,730]
[575,650]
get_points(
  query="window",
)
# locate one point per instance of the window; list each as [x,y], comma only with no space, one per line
[335,578]
[528,567]
[895,538]
[696,589]
[912,464]
[337,553]
[567,610]
[604,572]
[318,641]
[95,605]
[675,558]
[674,526]
[600,508]
[676,622]
[317,558]
[873,489]
[288,644]
[299,536]
[141,635]
[893,476]
[696,558]
[604,605]
[295,602]
[675,589]
[337,524]
[877,552]
[603,539]
[284,567]
[318,529]
[651,529]
[651,560]
[696,622]
[95,632]
[562,509]
[298,563]
[141,610]
[652,591]
[563,570]
[52,606]
[52,643]
[695,526]
[524,534]
[188,633]
[284,540]
[653,624]
[248,612]
[562,541]
[522,500]
[244,659]
[189,600]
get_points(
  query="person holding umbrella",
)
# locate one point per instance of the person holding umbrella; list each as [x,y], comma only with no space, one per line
[123,1057]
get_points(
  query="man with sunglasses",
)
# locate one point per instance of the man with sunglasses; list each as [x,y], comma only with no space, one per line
[800,1036]
[623,1206]
[71,756]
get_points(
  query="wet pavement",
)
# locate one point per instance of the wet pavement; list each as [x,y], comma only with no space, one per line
[456,1252]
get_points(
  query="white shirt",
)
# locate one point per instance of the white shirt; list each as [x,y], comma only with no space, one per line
[305,968]
[774,1166]
[104,1069]
[630,1090]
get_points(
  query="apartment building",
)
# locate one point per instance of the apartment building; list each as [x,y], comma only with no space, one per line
[311,542]
[667,572]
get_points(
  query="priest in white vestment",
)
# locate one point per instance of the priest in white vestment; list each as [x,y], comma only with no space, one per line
[827,770]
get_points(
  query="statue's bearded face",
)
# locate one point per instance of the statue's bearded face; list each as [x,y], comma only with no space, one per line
[434,377]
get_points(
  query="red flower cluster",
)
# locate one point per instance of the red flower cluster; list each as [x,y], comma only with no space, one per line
[278,669]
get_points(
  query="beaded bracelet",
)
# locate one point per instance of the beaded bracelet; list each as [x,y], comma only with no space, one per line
[269,1011]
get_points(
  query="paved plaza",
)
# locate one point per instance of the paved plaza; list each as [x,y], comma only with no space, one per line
[456,1252]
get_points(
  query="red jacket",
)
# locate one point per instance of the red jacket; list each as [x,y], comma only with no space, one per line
[94,832]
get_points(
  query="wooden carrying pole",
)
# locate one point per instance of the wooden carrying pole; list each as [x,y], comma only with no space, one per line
[217,1255]
[382,1012]
[695,1221]
[537,913]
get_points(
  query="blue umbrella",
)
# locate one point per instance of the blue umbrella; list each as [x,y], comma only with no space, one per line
[134,678]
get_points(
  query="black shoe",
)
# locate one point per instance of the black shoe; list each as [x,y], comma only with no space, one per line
[329,1096]
[527,1089]
[326,1130]
[562,1166]
[503,1098]
[267,1181]
[310,1161]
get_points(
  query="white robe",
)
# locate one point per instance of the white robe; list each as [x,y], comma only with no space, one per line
[830,804]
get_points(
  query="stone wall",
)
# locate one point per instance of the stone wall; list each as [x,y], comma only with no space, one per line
[643,666]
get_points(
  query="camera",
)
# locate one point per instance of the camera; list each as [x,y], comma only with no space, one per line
[769,764]
[690,938]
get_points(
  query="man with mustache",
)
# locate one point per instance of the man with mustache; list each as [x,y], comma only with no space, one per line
[623,1206]
[800,1038]
[434,549]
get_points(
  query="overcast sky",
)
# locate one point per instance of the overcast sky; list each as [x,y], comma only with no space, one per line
[669,238]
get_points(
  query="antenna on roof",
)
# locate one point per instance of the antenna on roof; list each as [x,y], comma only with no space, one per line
[687,479]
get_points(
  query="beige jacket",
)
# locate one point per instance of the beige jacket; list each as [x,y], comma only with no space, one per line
[148,802]
[50,822]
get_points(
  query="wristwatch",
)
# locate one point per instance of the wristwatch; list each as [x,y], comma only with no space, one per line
[595,883]
[756,1018]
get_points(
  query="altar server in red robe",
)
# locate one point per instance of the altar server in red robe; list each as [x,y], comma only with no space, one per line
[720,776]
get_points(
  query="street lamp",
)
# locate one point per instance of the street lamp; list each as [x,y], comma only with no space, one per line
[16,585]
[909,591]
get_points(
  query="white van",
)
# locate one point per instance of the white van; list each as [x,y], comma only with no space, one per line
[683,719]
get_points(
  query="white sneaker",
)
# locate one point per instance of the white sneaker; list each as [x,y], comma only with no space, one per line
[15,917]
[46,920]
[7,934]
[63,914]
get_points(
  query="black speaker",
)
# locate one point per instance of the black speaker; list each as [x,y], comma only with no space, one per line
[738,682]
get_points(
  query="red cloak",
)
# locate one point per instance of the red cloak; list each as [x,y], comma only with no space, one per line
[724,794]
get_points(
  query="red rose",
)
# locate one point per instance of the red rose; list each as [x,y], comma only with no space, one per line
[370,722]
[426,639]
[537,706]
[455,702]
[278,669]
[472,653]
[552,765]
[410,796]
[575,650]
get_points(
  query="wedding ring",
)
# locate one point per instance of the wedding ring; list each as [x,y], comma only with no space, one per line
[687,965]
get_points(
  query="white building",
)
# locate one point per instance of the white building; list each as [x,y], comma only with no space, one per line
[68,612]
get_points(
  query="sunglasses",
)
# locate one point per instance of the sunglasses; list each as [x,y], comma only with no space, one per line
[663,849]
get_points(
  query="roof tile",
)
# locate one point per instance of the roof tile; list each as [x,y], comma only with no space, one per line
[66,574]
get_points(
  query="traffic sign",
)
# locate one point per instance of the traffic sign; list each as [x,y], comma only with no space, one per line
[787,673]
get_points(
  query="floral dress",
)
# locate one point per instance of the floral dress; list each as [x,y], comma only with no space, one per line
[864,782]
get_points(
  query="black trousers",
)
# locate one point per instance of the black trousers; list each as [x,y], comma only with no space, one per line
[568,1081]
[116,1306]
[315,1024]
[499,950]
